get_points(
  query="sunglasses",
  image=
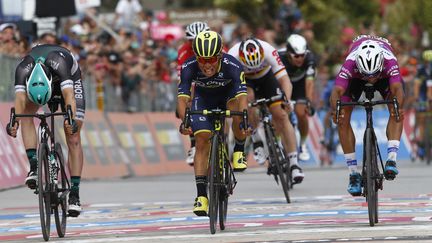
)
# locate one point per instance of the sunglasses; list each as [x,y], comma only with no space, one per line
[297,55]
[210,60]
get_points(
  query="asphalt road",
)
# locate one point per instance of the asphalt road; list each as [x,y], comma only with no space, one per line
[159,209]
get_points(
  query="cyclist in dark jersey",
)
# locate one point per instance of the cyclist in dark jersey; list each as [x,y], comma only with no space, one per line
[300,65]
[50,71]
[219,83]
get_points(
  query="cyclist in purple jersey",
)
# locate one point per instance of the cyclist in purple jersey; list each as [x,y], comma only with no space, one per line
[370,60]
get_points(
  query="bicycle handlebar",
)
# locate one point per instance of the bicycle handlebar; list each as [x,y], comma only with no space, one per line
[366,104]
[41,116]
[280,97]
[216,113]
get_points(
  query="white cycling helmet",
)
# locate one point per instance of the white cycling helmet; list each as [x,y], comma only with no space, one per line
[195,28]
[251,53]
[370,58]
[296,44]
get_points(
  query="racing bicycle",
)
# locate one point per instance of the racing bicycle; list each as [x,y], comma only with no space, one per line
[52,185]
[220,172]
[372,177]
[279,165]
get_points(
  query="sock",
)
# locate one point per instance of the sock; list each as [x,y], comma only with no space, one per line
[239,145]
[392,149]
[351,161]
[192,140]
[201,184]
[32,157]
[293,158]
[75,181]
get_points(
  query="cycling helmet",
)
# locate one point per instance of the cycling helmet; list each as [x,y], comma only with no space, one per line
[369,59]
[193,29]
[251,53]
[39,84]
[207,44]
[427,55]
[296,44]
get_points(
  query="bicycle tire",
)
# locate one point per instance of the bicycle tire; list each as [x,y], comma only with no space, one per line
[371,176]
[277,157]
[44,194]
[224,195]
[62,189]
[213,184]
[427,140]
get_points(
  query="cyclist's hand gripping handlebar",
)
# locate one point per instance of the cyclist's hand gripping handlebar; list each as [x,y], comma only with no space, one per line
[70,121]
[185,125]
[396,108]
[12,126]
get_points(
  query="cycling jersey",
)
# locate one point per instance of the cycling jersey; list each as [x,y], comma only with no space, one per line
[184,52]
[211,92]
[424,75]
[271,62]
[298,75]
[349,70]
[63,67]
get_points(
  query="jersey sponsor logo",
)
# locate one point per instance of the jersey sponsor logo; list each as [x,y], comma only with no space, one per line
[53,64]
[310,71]
[220,75]
[184,65]
[347,72]
[211,84]
[343,75]
[394,73]
[242,78]
[28,67]
[78,89]
[277,57]
[228,62]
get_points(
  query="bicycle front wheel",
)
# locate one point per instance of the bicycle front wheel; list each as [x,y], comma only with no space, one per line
[277,159]
[60,211]
[214,181]
[44,191]
[372,176]
[224,194]
[427,140]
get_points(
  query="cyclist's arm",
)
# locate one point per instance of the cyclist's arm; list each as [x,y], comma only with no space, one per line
[20,101]
[286,85]
[69,98]
[336,94]
[310,88]
[397,90]
[182,103]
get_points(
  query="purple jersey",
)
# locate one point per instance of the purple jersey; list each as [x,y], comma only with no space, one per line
[350,71]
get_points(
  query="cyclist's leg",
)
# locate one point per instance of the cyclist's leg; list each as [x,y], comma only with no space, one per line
[75,151]
[394,133]
[29,137]
[201,127]
[239,160]
[259,152]
[286,130]
[202,143]
[299,93]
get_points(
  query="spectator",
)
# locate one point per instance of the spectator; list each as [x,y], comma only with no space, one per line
[8,40]
[128,14]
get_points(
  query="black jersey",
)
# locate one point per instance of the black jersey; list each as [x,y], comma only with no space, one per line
[295,73]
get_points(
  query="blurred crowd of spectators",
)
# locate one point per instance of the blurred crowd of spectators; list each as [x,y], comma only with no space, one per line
[129,70]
